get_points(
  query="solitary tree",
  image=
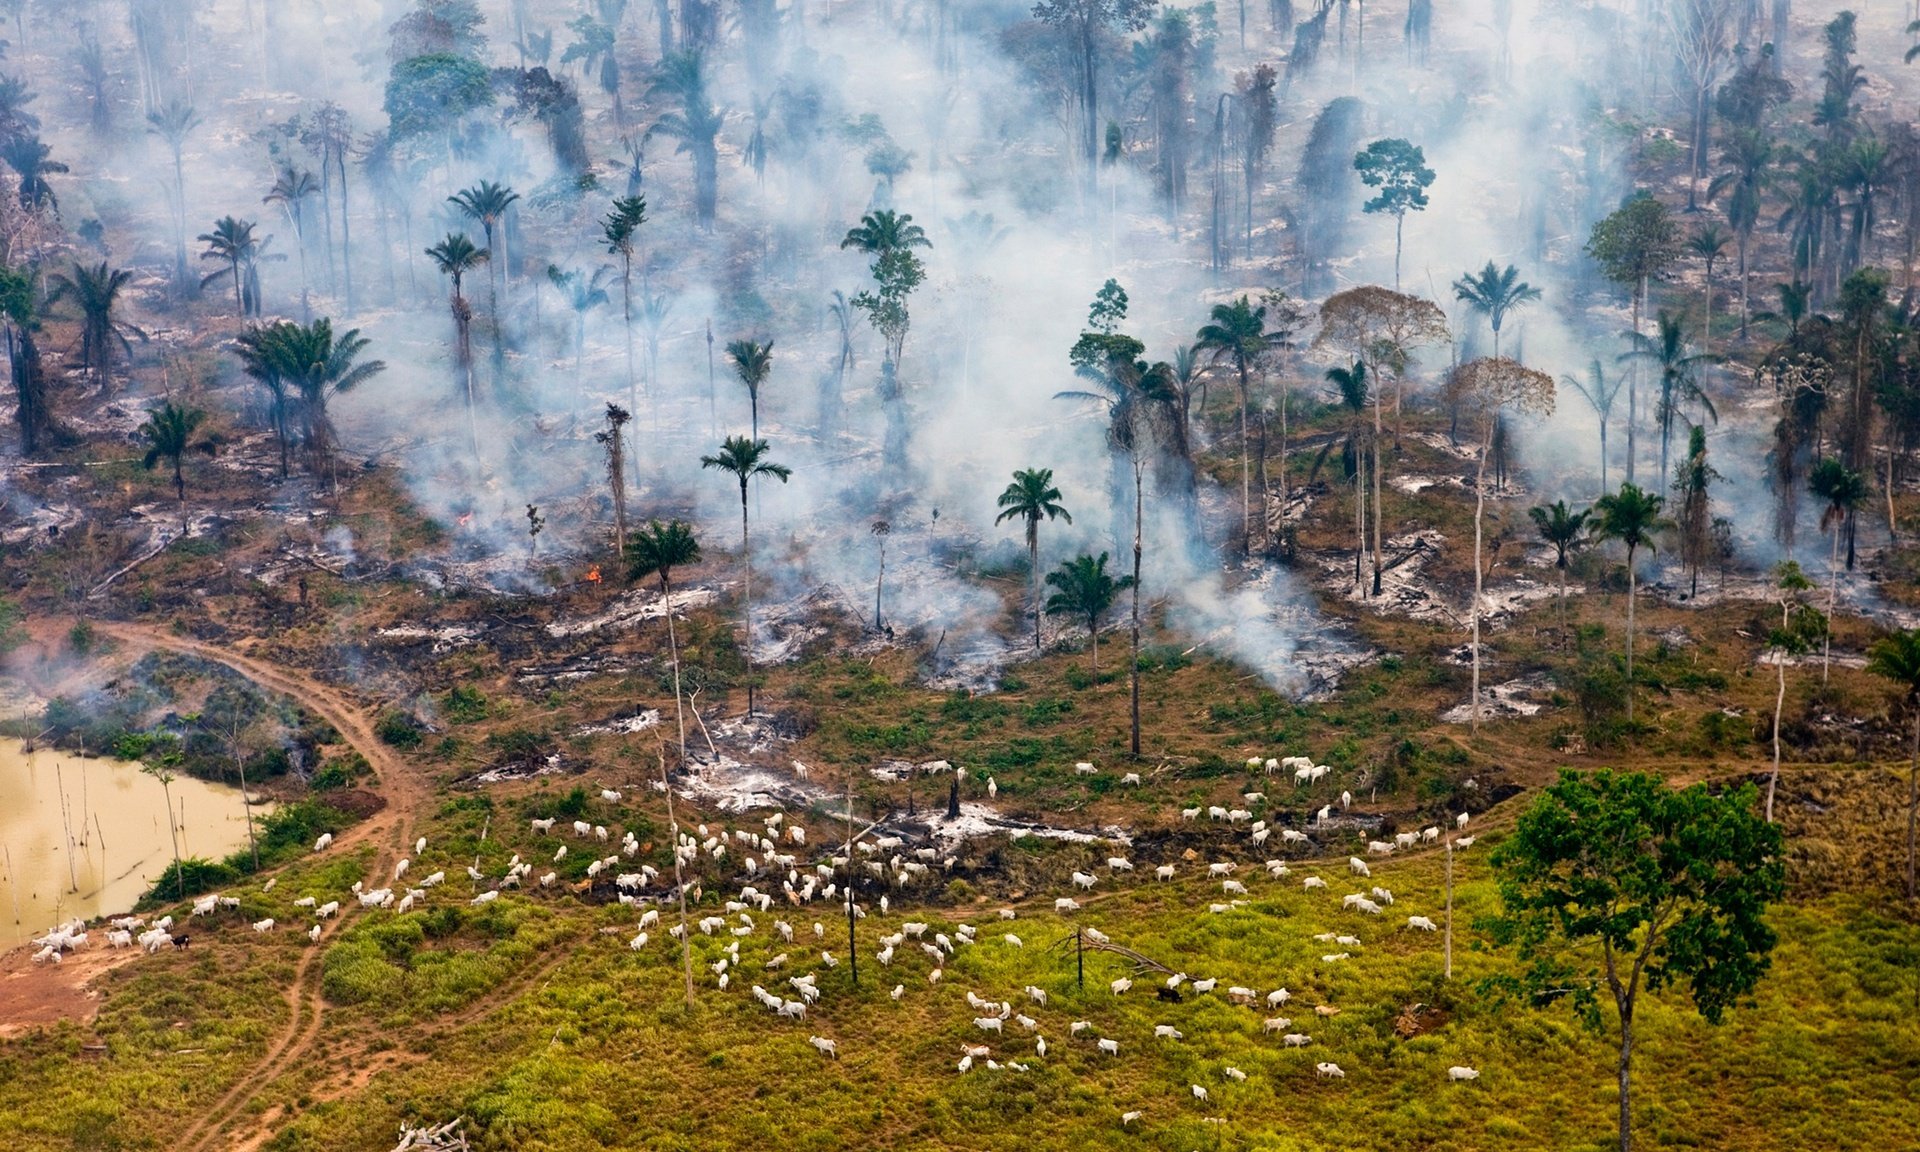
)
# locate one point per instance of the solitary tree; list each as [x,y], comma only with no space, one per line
[161,773]
[172,122]
[657,550]
[752,362]
[1632,246]
[1615,883]
[94,291]
[1084,589]
[1693,478]
[1599,393]
[1564,531]
[233,244]
[171,432]
[1238,335]
[1843,490]
[746,460]
[290,190]
[1493,292]
[455,257]
[618,229]
[1032,497]
[1494,386]
[1897,658]
[318,364]
[613,439]
[1787,641]
[1399,170]
[1709,243]
[1632,517]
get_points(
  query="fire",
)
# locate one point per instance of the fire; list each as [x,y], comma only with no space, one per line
[593,574]
[466,520]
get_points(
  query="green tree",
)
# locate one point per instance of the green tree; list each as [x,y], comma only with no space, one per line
[1085,590]
[1032,497]
[1843,491]
[1692,479]
[1351,399]
[1599,393]
[1398,168]
[1237,334]
[746,461]
[19,310]
[1493,292]
[1632,517]
[752,362]
[486,204]
[582,293]
[1897,658]
[290,190]
[257,360]
[1679,367]
[883,231]
[429,95]
[233,243]
[317,364]
[1749,156]
[32,161]
[95,290]
[657,550]
[171,432]
[889,237]
[1085,25]
[1615,883]
[1563,530]
[618,229]
[1637,242]
[455,257]
[1709,244]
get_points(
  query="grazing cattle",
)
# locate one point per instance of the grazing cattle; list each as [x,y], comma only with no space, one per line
[1189,813]
[1296,1040]
[1110,1047]
[1167,1032]
[1084,880]
[1289,836]
[1119,864]
[1275,1024]
[182,941]
[1235,1074]
[1459,1072]
[1219,870]
[1120,986]
[1277,868]
[1163,872]
[1233,887]
[987,1023]
[1330,1070]
[263,925]
[1383,894]
[313,933]
[1430,834]
[1260,836]
[1422,923]
[1131,778]
[1463,842]
[543,825]
[1129,1117]
[824,1046]
[1205,986]
[1169,994]
[1013,940]
[1066,904]
[1215,812]
[1278,997]
[1199,1093]
[1313,882]
[1460,821]
[1358,866]
[325,840]
[1406,839]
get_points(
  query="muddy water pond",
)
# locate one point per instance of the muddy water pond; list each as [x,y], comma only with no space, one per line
[85,837]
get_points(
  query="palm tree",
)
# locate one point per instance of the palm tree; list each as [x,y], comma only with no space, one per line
[885,231]
[1565,531]
[1493,292]
[486,203]
[290,190]
[583,294]
[1708,243]
[455,257]
[618,230]
[1897,658]
[1352,395]
[1632,517]
[257,359]
[657,550]
[881,530]
[752,361]
[1786,641]
[172,122]
[95,291]
[28,157]
[20,319]
[171,432]
[1238,334]
[1599,395]
[696,125]
[319,365]
[233,244]
[1030,497]
[614,440]
[1086,591]
[1749,157]
[1679,367]
[1844,490]
[746,461]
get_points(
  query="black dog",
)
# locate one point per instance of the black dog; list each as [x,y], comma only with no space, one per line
[182,941]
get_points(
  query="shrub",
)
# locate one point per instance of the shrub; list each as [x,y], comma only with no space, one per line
[398,729]
[190,877]
[465,705]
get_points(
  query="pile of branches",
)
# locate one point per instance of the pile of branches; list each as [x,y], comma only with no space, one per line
[446,1138]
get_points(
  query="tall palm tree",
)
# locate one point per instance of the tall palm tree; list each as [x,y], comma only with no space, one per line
[884,231]
[1632,517]
[1679,367]
[231,242]
[486,204]
[1897,658]
[582,293]
[291,188]
[1565,531]
[94,289]
[1237,334]
[1843,490]
[1352,398]
[696,125]
[1493,292]
[1599,395]
[255,347]
[752,362]
[1087,591]
[1708,243]
[618,229]
[455,257]
[657,550]
[1749,157]
[31,161]
[20,318]
[1031,497]
[172,122]
[746,460]
[171,432]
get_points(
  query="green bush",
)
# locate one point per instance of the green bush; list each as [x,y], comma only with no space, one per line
[398,729]
[190,877]
[465,705]
[341,772]
[80,637]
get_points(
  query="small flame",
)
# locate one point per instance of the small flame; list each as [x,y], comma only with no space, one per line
[593,574]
